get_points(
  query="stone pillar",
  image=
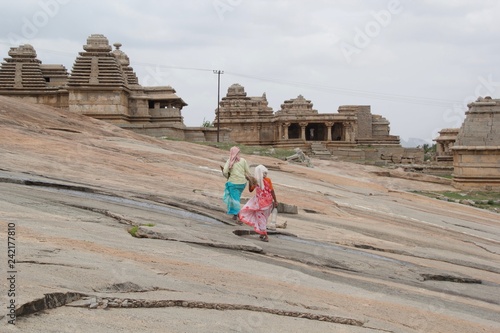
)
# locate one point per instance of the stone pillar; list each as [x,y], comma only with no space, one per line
[348,132]
[286,129]
[446,147]
[439,149]
[280,130]
[329,126]
[303,130]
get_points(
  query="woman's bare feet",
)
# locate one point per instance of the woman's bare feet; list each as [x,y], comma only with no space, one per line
[236,219]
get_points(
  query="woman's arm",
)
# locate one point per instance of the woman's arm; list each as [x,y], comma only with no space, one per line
[225,169]
[271,188]
[274,198]
[252,183]
[247,170]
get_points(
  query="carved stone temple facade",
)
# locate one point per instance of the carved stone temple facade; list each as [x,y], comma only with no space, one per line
[101,85]
[353,132]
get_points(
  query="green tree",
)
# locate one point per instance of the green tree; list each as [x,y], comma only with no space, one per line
[207,123]
[429,151]
[429,148]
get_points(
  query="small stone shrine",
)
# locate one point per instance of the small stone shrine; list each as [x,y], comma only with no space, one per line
[444,143]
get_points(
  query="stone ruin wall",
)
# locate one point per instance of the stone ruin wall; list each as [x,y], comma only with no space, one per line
[112,106]
[364,119]
[54,99]
[252,133]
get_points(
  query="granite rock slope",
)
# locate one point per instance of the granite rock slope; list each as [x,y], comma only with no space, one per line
[363,254]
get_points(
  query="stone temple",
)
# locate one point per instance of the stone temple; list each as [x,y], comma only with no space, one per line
[103,85]
[352,133]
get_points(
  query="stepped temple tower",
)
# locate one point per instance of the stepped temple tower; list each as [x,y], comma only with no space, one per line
[111,91]
[476,152]
[24,76]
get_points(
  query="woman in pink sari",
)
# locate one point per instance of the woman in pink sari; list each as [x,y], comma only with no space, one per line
[257,210]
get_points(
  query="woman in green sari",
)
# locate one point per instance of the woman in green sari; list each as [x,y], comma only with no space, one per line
[236,171]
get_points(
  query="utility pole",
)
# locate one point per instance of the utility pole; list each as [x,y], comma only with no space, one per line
[218,72]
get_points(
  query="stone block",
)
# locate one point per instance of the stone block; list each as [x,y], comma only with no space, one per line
[287,209]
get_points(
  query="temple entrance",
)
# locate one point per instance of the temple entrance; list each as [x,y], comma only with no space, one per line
[338,132]
[294,131]
[316,132]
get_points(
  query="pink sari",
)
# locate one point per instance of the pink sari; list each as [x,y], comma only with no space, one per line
[257,210]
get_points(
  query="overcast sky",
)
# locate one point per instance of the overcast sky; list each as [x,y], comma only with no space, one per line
[417,63]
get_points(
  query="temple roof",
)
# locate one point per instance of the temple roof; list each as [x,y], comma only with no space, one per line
[236,91]
[163,93]
[298,105]
[124,61]
[481,123]
[97,65]
[22,70]
[237,104]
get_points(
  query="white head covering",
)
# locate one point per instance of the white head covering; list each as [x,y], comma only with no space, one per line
[259,172]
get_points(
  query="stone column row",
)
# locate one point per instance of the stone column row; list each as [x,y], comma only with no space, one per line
[348,130]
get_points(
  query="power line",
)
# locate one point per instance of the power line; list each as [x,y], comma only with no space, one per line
[175,67]
[355,92]
[344,91]
[318,87]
